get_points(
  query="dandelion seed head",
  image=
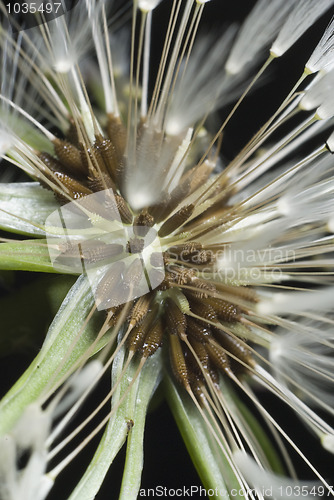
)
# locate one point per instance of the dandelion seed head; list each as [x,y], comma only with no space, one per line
[224,266]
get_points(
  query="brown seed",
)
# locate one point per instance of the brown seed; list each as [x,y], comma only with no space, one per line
[198,175]
[176,322]
[153,339]
[135,245]
[181,275]
[116,316]
[93,252]
[124,211]
[90,252]
[133,274]
[185,249]
[218,357]
[75,189]
[108,154]
[201,308]
[243,292]
[94,162]
[216,210]
[175,198]
[108,289]
[51,163]
[72,133]
[70,156]
[202,286]
[140,309]
[142,223]
[214,375]
[157,211]
[178,362]
[103,205]
[175,221]
[201,257]
[202,354]
[99,182]
[235,346]
[117,134]
[167,279]
[198,330]
[137,335]
[197,386]
[226,311]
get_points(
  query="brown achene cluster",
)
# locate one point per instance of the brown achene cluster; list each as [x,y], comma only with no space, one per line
[186,310]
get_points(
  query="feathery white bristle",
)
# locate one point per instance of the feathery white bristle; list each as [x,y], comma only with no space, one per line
[297,302]
[7,140]
[29,434]
[177,167]
[320,91]
[204,85]
[326,110]
[148,5]
[330,143]
[330,224]
[77,385]
[327,442]
[69,40]
[302,360]
[322,58]
[19,101]
[268,484]
[303,15]
[256,33]
[143,185]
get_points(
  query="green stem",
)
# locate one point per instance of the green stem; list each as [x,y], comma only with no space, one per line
[130,404]
[208,458]
[28,255]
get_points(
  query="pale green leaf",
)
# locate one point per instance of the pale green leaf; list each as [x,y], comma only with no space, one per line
[208,458]
[25,206]
[130,406]
[27,255]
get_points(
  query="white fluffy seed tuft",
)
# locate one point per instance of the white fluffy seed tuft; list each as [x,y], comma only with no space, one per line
[258,30]
[303,15]
[322,57]
[148,5]
[319,92]
[269,484]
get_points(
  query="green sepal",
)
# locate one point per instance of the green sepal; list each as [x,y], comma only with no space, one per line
[24,207]
[26,255]
[128,421]
[264,443]
[208,457]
